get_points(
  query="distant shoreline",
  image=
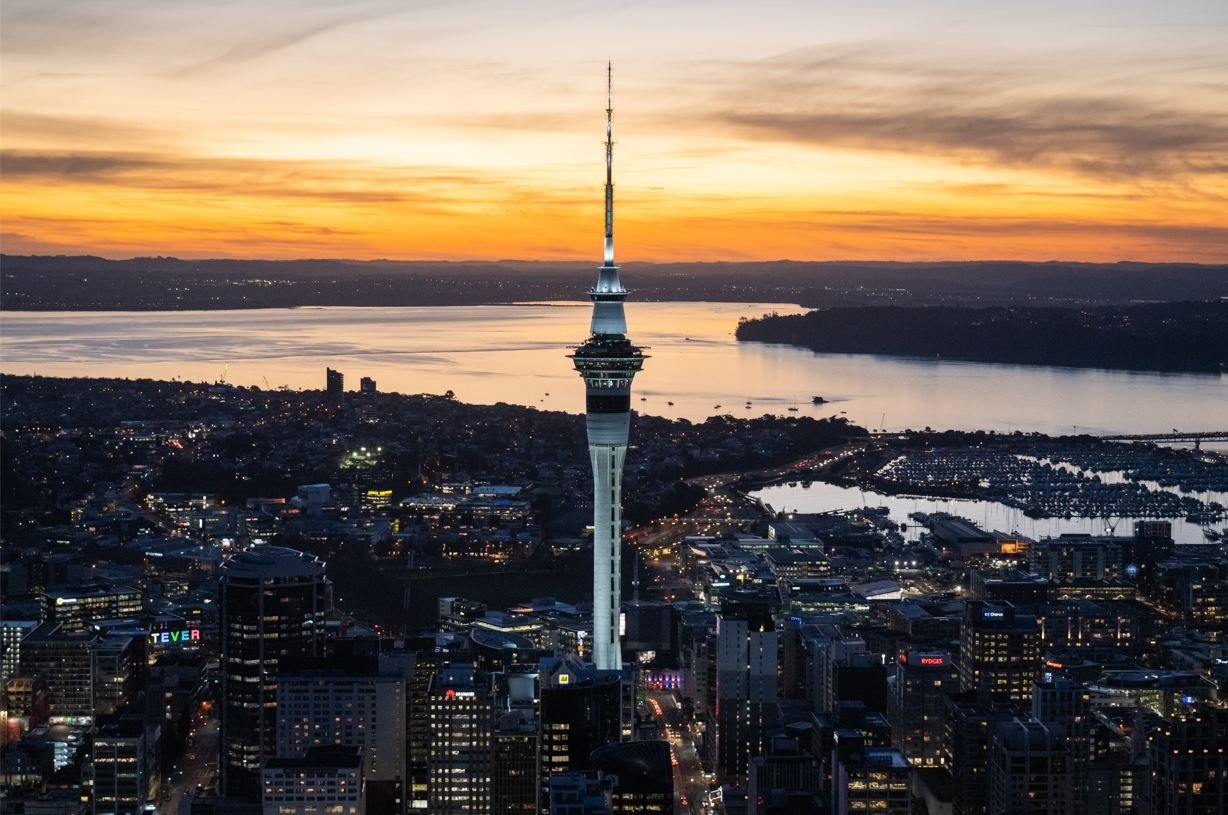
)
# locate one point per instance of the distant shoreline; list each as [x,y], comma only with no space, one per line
[1187,338]
[44,283]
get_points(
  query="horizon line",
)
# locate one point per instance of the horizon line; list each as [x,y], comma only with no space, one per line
[557,261]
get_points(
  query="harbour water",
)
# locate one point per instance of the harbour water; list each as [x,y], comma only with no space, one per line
[989,515]
[516,354]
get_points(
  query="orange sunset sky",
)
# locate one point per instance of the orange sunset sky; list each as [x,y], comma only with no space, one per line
[907,130]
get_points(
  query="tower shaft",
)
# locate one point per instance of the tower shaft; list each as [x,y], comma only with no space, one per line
[607,463]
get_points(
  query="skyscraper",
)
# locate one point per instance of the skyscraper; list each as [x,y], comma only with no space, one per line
[917,704]
[273,601]
[1029,770]
[607,361]
[999,650]
[462,715]
[580,711]
[746,671]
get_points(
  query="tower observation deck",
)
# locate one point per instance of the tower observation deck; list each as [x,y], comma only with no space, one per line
[608,362]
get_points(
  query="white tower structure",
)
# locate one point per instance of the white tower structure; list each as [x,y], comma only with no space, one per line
[608,362]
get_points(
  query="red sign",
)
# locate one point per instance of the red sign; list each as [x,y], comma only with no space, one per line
[932,660]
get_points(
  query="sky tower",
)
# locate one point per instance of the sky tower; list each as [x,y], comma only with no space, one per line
[608,362]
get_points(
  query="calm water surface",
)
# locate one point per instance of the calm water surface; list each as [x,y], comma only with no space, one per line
[488,354]
[989,515]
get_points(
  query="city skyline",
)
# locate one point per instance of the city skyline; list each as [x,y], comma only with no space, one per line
[816,132]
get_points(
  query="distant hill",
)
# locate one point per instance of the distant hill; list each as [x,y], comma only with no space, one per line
[91,283]
[1190,337]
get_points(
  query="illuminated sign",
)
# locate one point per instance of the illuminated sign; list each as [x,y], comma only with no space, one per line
[183,636]
[1057,665]
[932,661]
[994,615]
[458,694]
[564,679]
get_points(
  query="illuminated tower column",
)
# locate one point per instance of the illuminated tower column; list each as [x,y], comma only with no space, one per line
[608,362]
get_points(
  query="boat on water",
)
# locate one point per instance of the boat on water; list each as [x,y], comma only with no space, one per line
[818,400]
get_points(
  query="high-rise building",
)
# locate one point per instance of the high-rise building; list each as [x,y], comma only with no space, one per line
[999,650]
[515,777]
[356,705]
[334,383]
[917,704]
[75,608]
[580,711]
[1030,770]
[324,781]
[746,686]
[272,608]
[785,777]
[607,361]
[972,718]
[367,406]
[1066,705]
[119,668]
[461,756]
[64,661]
[645,778]
[868,779]
[1189,765]
[12,632]
[1073,557]
[123,770]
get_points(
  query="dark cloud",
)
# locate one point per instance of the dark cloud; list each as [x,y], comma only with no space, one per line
[997,113]
[438,188]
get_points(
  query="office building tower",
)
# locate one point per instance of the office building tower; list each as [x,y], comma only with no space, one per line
[644,776]
[785,777]
[515,790]
[917,704]
[580,710]
[76,608]
[12,632]
[999,650]
[827,650]
[1030,770]
[366,386]
[1189,764]
[868,779]
[607,361]
[272,605]
[123,766]
[460,762]
[746,686]
[64,663]
[119,670]
[356,705]
[324,781]
[1066,706]
[423,664]
[860,678]
[972,718]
